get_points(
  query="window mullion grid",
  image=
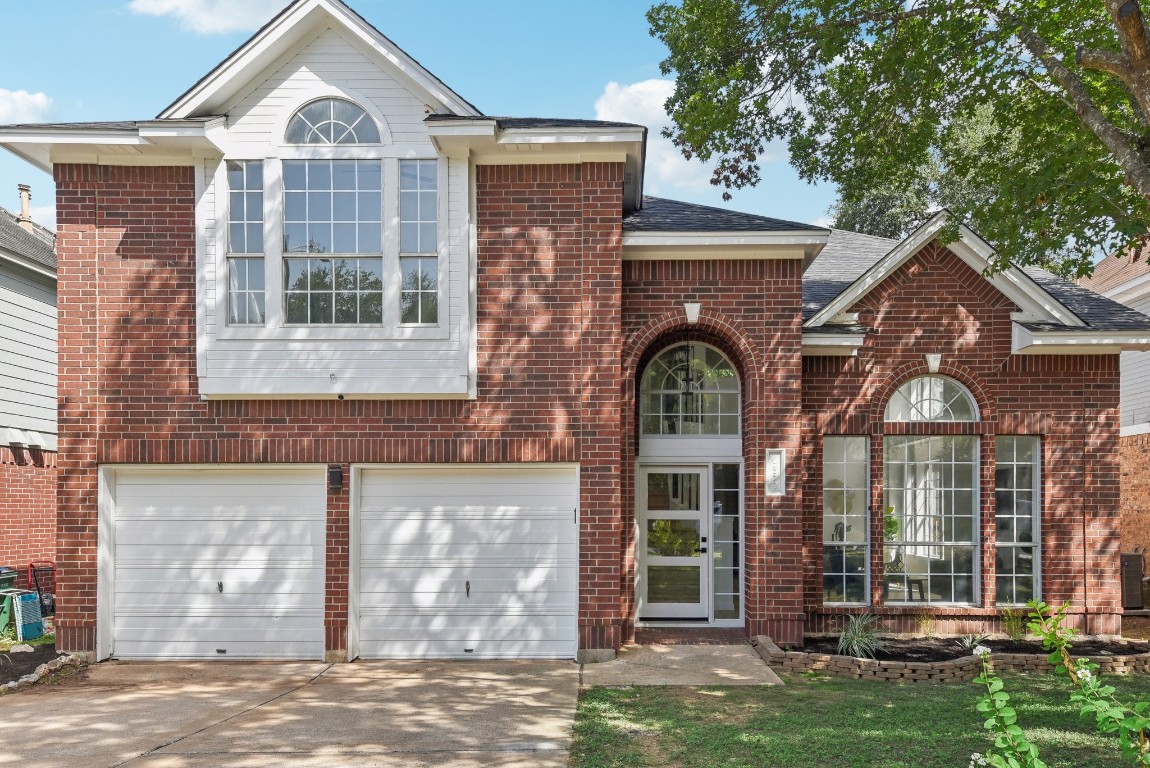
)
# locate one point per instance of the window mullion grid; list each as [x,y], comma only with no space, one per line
[843,554]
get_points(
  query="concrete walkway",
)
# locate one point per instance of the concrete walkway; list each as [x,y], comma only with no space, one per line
[682,665]
[257,715]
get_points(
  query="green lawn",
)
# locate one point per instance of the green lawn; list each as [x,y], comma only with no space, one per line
[822,721]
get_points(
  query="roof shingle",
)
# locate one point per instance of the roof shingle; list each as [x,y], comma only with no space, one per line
[661,215]
[16,239]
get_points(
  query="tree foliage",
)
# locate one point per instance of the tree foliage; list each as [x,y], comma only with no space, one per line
[1026,118]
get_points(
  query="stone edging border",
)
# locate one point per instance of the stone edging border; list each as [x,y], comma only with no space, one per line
[958,670]
[40,672]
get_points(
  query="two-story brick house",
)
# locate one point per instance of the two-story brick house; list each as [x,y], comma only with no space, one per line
[351,369]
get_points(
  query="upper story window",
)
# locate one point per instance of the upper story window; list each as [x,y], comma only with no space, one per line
[331,121]
[689,389]
[353,232]
[932,398]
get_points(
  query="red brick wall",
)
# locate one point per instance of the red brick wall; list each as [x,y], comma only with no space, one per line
[750,310]
[548,282]
[27,507]
[936,304]
[1135,462]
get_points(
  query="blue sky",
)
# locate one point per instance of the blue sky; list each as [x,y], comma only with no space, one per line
[83,60]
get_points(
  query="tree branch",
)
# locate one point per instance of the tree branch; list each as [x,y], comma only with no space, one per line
[1127,16]
[1105,61]
[1129,159]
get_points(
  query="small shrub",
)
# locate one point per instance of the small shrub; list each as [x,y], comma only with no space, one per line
[924,621]
[970,642]
[1013,623]
[860,636]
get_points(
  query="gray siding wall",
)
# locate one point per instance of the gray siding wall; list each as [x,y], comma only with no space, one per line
[1136,378]
[27,350]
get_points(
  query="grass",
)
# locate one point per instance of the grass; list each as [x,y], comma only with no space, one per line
[830,722]
[8,639]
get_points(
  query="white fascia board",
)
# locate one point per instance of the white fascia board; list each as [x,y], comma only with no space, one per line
[478,127]
[570,135]
[56,136]
[25,263]
[1130,290]
[279,36]
[1028,342]
[721,239]
[832,344]
[1037,305]
[178,129]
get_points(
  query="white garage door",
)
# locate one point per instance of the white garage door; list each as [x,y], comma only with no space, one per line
[468,561]
[219,563]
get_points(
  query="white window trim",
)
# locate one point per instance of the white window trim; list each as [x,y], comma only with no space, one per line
[965,390]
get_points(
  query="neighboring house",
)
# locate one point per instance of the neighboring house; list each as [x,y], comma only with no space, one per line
[27,389]
[1126,280]
[353,369]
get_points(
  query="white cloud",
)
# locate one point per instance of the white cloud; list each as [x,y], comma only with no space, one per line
[23,107]
[212,16]
[823,221]
[642,103]
[44,215]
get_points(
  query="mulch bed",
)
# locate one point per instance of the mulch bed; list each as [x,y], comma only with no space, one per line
[13,666]
[947,648]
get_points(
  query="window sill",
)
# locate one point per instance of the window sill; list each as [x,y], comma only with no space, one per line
[333,333]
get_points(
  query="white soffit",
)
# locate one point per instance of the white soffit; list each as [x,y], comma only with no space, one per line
[1030,342]
[1036,304]
[832,344]
[150,142]
[230,78]
[648,246]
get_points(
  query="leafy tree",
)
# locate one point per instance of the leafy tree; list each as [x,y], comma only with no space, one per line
[1025,117]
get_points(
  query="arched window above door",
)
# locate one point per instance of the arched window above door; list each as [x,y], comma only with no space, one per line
[931,398]
[689,389]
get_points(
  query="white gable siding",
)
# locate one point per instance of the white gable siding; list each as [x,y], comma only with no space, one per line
[28,353]
[1136,378]
[327,361]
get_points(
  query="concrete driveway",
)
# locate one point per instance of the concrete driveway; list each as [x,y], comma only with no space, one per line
[251,715]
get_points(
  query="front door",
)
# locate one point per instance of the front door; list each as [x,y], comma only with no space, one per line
[674,535]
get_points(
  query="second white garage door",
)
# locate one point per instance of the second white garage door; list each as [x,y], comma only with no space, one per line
[468,561]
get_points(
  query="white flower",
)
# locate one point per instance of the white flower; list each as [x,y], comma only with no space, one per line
[1083,675]
[983,651]
[977,759]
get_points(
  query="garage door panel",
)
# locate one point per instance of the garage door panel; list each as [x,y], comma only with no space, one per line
[427,534]
[181,534]
[221,531]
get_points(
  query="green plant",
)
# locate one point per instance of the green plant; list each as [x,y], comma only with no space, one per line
[860,637]
[890,524]
[1013,623]
[1013,748]
[970,642]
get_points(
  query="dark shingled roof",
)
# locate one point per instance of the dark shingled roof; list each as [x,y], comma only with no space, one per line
[1098,312]
[849,254]
[845,258]
[113,125]
[659,215]
[16,239]
[534,122]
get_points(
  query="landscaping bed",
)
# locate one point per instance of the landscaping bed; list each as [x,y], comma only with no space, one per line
[1114,657]
[13,666]
[927,649]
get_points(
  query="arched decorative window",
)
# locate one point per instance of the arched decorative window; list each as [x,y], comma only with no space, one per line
[932,398]
[331,121]
[689,389]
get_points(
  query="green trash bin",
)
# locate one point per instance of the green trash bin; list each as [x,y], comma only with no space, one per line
[7,577]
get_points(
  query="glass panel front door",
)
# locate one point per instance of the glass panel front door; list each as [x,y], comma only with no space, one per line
[675,528]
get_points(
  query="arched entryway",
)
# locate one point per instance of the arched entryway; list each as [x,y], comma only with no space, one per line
[689,488]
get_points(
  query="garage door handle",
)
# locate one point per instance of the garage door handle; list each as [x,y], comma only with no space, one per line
[467,587]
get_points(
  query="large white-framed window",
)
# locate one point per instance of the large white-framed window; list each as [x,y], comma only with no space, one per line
[1017,516]
[334,253]
[846,517]
[689,389]
[931,504]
